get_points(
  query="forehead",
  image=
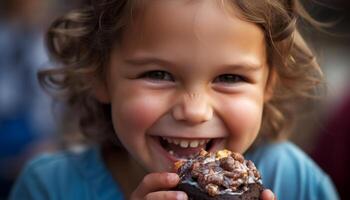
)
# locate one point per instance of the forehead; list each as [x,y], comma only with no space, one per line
[195,28]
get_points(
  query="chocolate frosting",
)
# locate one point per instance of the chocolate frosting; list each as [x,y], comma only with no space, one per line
[223,172]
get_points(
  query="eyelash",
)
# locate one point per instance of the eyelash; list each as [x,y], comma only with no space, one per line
[159,75]
[229,78]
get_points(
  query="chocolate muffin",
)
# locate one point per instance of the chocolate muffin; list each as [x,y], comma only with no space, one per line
[220,175]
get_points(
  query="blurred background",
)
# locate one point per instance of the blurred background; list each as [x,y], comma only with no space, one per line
[31,123]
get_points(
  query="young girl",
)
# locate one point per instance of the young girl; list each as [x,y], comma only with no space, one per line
[163,79]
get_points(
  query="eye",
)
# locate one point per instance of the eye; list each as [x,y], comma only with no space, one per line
[157,75]
[229,78]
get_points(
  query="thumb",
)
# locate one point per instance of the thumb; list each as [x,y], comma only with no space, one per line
[268,195]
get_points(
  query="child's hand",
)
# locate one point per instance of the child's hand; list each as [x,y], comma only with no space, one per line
[268,195]
[157,186]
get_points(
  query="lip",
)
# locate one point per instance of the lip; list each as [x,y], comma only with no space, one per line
[216,145]
[187,135]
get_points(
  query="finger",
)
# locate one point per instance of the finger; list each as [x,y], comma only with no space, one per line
[156,181]
[268,195]
[168,195]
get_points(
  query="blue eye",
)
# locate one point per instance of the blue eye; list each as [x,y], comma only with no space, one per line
[229,78]
[158,75]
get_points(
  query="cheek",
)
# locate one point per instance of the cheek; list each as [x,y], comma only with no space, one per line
[248,115]
[135,114]
[243,119]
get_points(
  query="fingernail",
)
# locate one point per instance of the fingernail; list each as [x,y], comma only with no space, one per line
[181,196]
[268,194]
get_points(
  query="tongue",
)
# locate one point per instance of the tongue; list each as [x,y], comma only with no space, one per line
[184,152]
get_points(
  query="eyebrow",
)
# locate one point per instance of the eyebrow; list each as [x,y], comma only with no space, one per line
[148,60]
[241,65]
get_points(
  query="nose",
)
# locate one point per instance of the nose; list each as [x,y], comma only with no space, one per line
[193,108]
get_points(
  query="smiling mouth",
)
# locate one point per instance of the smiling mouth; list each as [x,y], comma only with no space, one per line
[181,148]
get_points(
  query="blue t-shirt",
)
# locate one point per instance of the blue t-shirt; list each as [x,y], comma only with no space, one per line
[285,169]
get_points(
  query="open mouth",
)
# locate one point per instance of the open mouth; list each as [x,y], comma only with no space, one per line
[181,148]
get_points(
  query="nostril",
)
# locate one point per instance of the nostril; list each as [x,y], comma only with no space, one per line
[192,118]
[198,113]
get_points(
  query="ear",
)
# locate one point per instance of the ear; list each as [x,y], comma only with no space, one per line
[100,92]
[270,84]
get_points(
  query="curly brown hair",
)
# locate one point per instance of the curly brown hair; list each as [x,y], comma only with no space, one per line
[82,40]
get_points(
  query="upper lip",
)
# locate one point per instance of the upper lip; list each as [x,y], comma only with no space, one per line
[167,127]
[188,136]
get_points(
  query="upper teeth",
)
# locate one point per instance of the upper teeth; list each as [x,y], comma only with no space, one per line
[185,143]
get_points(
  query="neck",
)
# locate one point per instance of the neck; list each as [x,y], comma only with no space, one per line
[124,169]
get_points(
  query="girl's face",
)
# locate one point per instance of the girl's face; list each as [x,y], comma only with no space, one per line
[187,75]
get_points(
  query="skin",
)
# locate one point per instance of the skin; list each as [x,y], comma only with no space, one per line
[190,70]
